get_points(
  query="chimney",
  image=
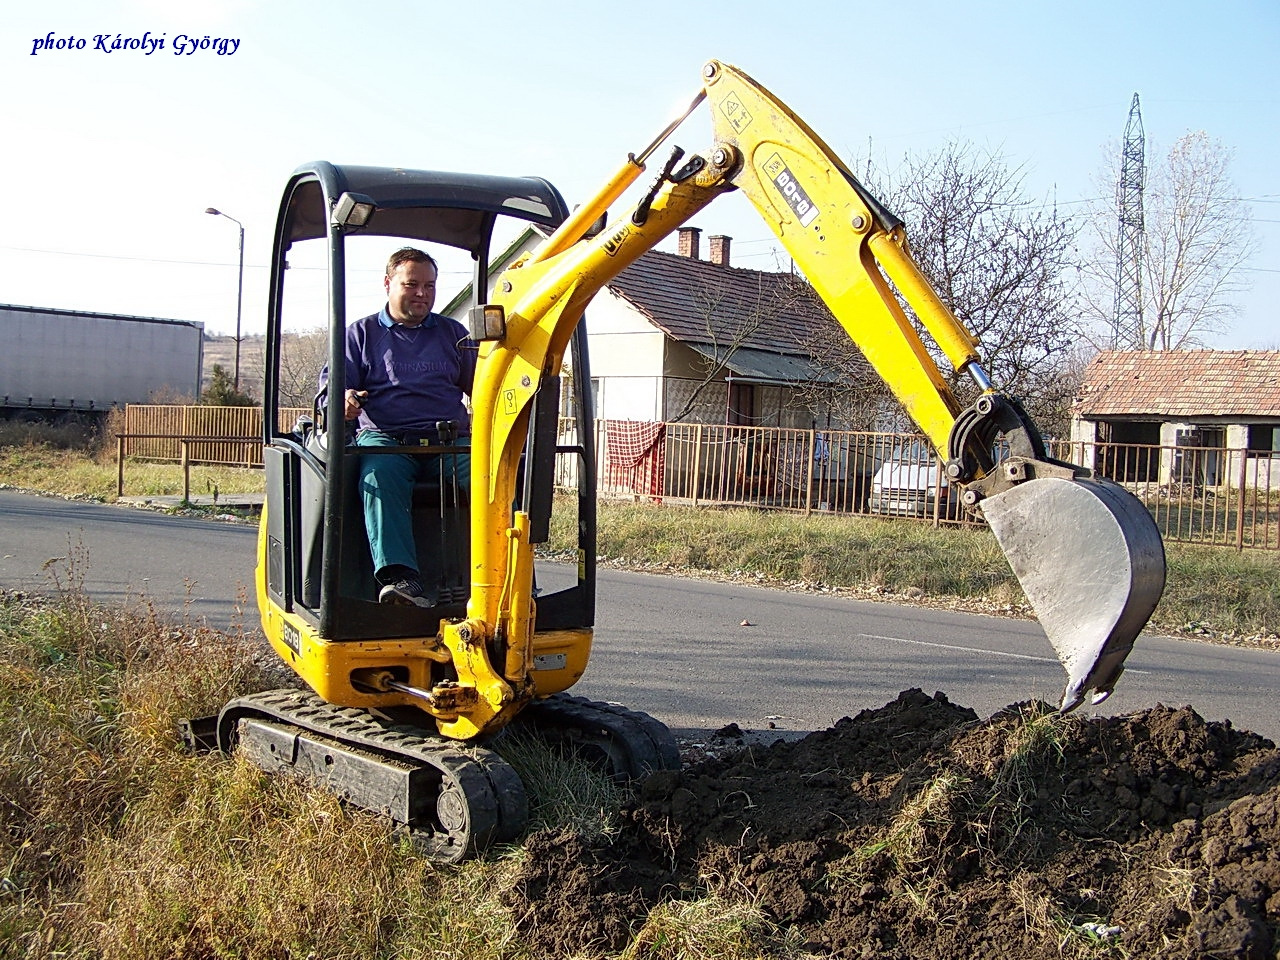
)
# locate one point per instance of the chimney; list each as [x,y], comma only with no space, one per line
[689,242]
[720,250]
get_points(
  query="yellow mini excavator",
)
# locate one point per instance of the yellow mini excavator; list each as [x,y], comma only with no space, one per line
[402,699]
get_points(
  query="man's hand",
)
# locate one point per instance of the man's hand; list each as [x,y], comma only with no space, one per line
[354,403]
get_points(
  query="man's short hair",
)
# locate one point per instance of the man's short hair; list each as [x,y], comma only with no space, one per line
[410,255]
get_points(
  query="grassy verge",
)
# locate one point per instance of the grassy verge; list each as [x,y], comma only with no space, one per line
[1212,592]
[115,837]
[93,474]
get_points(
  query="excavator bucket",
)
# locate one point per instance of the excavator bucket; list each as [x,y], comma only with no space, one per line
[1090,559]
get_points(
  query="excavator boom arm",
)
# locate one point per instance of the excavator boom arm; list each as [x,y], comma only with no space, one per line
[855,255]
[843,241]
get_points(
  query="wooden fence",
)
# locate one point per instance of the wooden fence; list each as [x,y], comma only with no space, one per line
[212,435]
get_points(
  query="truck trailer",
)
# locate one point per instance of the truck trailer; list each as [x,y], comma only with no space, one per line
[58,365]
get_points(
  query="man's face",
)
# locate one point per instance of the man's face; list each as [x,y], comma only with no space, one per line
[411,292]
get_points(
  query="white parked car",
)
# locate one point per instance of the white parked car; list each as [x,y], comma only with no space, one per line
[911,482]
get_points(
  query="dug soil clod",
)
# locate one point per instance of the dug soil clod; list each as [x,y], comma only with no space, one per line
[920,830]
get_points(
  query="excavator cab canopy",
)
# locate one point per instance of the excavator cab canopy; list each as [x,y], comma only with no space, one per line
[455,209]
[316,552]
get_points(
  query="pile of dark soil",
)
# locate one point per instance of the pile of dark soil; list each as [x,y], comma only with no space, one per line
[918,830]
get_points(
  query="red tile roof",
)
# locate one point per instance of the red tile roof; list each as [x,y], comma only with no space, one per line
[1181,383]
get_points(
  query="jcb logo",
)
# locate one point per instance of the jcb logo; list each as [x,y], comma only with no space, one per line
[805,209]
[614,243]
[292,639]
[794,194]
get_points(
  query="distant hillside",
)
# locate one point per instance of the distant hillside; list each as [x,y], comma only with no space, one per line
[222,351]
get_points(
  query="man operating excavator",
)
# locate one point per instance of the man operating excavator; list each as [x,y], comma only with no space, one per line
[407,369]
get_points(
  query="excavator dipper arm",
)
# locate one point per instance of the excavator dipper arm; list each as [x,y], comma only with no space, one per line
[1087,553]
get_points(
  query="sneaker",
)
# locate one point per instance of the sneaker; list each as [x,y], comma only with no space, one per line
[408,591]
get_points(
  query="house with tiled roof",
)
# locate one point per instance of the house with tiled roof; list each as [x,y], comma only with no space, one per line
[725,344]
[676,337]
[1222,404]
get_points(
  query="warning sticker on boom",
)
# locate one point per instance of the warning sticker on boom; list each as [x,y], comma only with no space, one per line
[735,112]
[778,172]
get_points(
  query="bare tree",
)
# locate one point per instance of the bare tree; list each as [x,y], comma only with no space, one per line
[1004,264]
[845,391]
[301,357]
[730,316]
[1196,238]
[780,313]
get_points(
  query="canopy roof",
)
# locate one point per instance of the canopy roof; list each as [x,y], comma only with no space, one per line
[455,209]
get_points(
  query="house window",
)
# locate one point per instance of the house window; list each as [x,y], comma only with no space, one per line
[1264,438]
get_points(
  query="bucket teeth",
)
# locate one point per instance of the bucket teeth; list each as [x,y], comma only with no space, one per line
[1090,560]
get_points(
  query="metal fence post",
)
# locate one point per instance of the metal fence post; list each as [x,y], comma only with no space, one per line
[696,479]
[1240,499]
[808,475]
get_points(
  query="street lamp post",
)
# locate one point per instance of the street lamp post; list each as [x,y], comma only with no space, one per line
[239,288]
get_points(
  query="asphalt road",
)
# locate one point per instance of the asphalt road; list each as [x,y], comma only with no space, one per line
[673,647]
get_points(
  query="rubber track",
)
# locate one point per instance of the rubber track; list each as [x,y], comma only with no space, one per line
[494,794]
[646,744]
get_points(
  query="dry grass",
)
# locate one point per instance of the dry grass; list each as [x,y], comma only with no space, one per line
[1076,936]
[74,472]
[563,791]
[1034,743]
[928,816]
[117,843]
[712,929]
[835,551]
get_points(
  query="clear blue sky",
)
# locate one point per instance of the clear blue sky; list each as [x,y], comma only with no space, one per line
[112,158]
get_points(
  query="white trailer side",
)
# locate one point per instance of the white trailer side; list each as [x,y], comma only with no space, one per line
[68,360]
